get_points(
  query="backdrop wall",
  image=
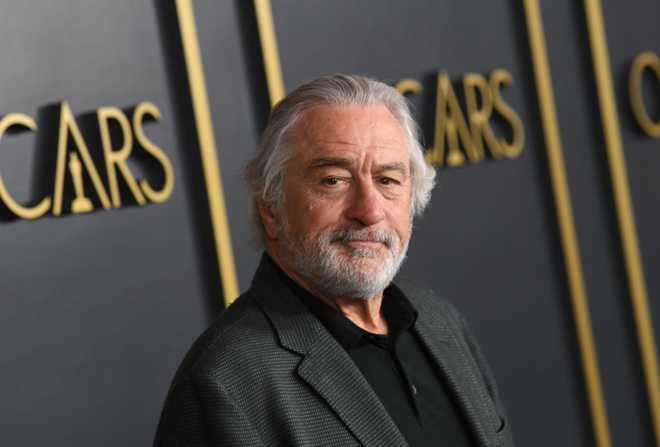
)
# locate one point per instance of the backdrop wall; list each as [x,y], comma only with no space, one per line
[100,299]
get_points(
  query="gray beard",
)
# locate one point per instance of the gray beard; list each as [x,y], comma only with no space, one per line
[334,272]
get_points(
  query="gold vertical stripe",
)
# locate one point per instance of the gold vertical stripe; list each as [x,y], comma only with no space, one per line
[207,148]
[566,224]
[269,50]
[624,209]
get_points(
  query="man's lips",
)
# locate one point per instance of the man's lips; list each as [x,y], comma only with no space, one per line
[363,243]
[374,239]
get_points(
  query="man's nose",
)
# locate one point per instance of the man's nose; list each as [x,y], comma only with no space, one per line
[366,205]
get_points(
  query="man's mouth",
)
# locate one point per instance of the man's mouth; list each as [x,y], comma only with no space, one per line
[363,239]
[363,243]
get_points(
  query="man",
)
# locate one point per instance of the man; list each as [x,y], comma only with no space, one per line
[322,350]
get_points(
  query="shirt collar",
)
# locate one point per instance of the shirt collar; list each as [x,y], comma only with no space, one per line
[397,310]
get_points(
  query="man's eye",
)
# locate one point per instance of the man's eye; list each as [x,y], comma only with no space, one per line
[388,181]
[331,181]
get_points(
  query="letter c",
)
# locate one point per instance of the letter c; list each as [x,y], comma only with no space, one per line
[20,119]
[407,85]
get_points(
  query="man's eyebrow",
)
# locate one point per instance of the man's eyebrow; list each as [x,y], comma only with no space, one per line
[346,163]
[330,162]
[396,166]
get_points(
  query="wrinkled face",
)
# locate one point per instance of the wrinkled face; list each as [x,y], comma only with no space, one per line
[346,218]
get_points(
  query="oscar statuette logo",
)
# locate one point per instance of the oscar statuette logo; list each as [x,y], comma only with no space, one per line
[80,204]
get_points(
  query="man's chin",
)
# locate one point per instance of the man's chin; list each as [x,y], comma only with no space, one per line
[363,258]
[362,269]
[355,251]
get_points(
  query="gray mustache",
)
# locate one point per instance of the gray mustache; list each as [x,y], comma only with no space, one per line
[348,234]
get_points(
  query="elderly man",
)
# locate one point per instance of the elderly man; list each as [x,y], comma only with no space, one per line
[323,349]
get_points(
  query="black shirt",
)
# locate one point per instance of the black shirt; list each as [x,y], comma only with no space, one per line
[398,368]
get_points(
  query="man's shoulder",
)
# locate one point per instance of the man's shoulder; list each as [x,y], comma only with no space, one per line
[237,335]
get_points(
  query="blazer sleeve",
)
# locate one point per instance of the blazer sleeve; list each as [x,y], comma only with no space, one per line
[201,413]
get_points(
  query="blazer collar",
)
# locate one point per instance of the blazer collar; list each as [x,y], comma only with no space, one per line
[296,327]
[325,366]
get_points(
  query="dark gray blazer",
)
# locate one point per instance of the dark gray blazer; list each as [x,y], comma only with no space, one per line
[267,373]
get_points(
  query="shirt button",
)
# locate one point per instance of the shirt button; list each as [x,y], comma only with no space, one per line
[413,388]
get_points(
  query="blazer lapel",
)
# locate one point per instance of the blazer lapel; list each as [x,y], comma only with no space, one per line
[329,370]
[450,362]
[454,363]
[326,367]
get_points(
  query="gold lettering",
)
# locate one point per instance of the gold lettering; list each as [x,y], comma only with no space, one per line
[641,63]
[455,156]
[511,149]
[68,126]
[457,126]
[22,120]
[407,85]
[479,116]
[436,155]
[449,121]
[464,134]
[116,159]
[148,108]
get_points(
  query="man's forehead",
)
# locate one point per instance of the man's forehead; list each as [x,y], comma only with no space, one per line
[327,131]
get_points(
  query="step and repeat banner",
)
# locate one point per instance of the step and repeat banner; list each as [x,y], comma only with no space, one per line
[125,226]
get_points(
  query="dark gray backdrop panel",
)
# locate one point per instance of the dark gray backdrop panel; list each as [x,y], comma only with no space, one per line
[630,32]
[239,103]
[595,214]
[97,309]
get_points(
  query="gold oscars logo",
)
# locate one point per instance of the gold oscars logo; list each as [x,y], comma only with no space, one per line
[80,165]
[469,137]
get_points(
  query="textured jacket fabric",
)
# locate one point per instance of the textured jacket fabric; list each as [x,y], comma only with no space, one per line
[268,373]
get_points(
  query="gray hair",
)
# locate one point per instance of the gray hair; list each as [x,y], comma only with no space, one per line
[265,174]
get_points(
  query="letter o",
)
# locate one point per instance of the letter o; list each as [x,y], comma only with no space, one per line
[642,62]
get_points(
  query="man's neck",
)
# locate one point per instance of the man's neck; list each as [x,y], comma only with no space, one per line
[364,313]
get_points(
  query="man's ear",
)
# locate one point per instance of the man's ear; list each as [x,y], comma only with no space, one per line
[270,220]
